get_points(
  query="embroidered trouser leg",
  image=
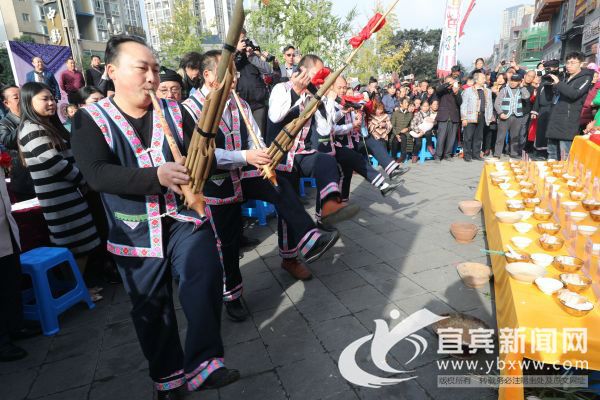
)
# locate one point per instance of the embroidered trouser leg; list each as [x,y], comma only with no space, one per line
[298,232]
[378,150]
[194,255]
[351,161]
[323,168]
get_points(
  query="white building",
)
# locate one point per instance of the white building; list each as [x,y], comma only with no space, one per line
[512,17]
[214,16]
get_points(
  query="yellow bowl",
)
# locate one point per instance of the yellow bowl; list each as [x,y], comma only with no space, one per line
[531,203]
[545,216]
[575,186]
[528,193]
[576,287]
[520,257]
[498,180]
[577,196]
[515,206]
[572,311]
[526,185]
[567,264]
[595,214]
[557,173]
[548,228]
[554,246]
[591,205]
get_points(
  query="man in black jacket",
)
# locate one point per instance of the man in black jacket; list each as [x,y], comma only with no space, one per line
[93,75]
[21,184]
[448,117]
[251,85]
[542,109]
[571,91]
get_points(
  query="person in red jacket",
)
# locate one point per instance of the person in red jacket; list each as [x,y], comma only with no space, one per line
[71,81]
[587,113]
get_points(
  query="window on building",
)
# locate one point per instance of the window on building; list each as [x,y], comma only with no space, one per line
[114,9]
[101,23]
[42,13]
[25,17]
[99,5]
[45,30]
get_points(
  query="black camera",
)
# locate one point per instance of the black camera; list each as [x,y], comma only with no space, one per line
[249,43]
[547,77]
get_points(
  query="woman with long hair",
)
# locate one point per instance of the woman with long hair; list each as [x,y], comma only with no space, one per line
[89,95]
[59,186]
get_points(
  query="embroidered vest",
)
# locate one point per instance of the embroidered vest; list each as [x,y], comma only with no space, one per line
[511,102]
[224,186]
[135,225]
[351,138]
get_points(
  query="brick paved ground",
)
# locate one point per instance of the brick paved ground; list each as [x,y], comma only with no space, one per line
[398,254]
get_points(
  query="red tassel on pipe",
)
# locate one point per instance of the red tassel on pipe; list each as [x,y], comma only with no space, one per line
[366,31]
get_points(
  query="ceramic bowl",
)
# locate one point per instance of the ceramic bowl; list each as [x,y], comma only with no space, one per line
[549,228]
[511,193]
[522,227]
[548,285]
[470,207]
[498,180]
[567,264]
[520,178]
[463,232]
[551,179]
[569,205]
[558,173]
[512,257]
[542,214]
[526,185]
[542,259]
[586,230]
[504,186]
[595,214]
[577,305]
[591,204]
[575,282]
[508,217]
[531,203]
[499,174]
[568,177]
[577,196]
[521,242]
[525,272]
[515,205]
[525,215]
[528,193]
[474,275]
[577,216]
[575,186]
[551,243]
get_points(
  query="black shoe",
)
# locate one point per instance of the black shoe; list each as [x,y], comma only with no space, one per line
[245,242]
[219,378]
[235,310]
[467,159]
[390,188]
[477,158]
[398,172]
[179,393]
[10,352]
[323,243]
[25,333]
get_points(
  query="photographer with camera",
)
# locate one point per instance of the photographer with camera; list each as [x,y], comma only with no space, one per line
[251,85]
[542,107]
[570,93]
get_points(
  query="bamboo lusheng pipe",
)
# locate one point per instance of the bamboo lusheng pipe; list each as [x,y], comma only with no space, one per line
[202,147]
[286,137]
[267,171]
[193,201]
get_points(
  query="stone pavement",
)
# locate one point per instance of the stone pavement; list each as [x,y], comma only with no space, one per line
[397,255]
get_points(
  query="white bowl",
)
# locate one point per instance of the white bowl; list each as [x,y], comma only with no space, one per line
[522,227]
[525,215]
[551,179]
[525,272]
[548,285]
[521,242]
[498,174]
[508,217]
[586,230]
[542,259]
[571,205]
[568,177]
[511,193]
[578,216]
[504,186]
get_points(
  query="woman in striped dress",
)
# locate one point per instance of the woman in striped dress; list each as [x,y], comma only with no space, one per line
[58,184]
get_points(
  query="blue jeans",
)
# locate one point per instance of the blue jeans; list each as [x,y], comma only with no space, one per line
[553,148]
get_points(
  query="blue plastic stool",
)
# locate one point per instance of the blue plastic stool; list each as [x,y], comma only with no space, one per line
[36,263]
[303,181]
[424,154]
[258,209]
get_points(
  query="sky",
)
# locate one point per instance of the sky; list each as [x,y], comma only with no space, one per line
[481,31]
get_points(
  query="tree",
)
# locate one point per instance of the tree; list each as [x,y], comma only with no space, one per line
[309,25]
[25,38]
[181,34]
[422,51]
[6,76]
